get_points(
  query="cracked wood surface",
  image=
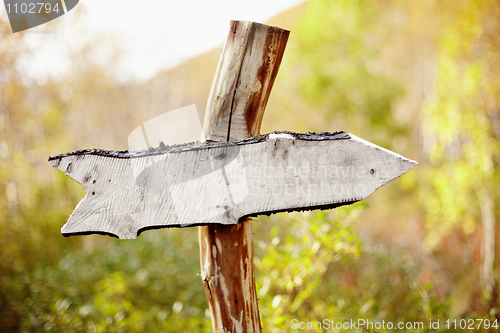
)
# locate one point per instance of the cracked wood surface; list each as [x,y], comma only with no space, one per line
[206,183]
[243,81]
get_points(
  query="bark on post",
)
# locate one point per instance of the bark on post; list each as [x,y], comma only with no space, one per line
[242,84]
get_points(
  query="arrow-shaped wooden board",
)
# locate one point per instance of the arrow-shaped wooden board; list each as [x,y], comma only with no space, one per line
[203,183]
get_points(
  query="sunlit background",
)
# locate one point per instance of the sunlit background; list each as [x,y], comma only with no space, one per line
[421,78]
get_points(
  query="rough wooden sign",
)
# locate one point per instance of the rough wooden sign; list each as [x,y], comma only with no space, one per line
[206,183]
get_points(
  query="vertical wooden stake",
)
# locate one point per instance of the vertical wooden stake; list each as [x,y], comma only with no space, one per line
[243,81]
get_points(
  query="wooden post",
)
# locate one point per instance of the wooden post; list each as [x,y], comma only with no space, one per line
[243,81]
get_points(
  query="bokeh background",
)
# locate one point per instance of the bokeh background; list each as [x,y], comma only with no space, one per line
[421,78]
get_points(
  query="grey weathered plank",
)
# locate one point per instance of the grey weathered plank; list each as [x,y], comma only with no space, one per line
[204,183]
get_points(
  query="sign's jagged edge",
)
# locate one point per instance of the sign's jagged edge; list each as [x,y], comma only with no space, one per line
[163,149]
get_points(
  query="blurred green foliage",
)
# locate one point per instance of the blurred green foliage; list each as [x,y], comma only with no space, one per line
[336,75]
[459,184]
[459,135]
[338,49]
[317,268]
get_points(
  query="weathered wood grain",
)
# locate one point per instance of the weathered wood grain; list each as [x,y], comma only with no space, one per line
[243,80]
[245,75]
[206,183]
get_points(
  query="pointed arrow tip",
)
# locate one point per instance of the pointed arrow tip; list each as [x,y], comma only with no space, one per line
[409,164]
[404,165]
[400,166]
